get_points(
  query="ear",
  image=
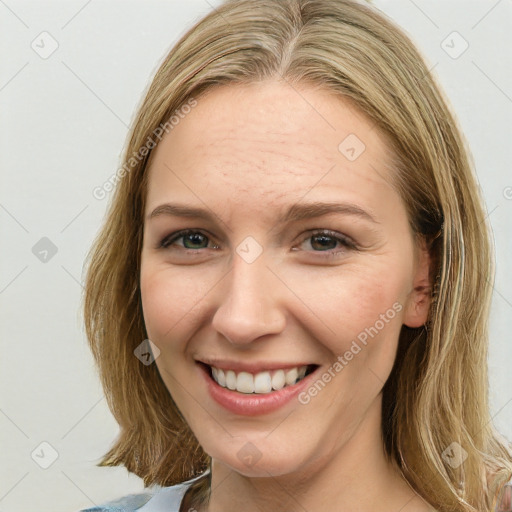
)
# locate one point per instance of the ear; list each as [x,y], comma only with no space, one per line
[418,300]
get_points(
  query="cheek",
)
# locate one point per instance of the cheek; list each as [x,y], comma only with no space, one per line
[370,297]
[363,306]
[364,309]
[349,299]
[170,301]
[374,304]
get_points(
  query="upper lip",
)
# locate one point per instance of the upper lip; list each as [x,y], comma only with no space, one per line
[255,367]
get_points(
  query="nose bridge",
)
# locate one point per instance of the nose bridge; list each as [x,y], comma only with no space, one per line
[248,307]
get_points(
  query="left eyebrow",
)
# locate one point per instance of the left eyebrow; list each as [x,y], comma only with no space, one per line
[299,212]
[294,213]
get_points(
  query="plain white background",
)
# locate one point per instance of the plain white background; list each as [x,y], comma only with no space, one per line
[63,124]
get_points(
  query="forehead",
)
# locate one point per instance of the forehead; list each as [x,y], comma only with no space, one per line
[269,142]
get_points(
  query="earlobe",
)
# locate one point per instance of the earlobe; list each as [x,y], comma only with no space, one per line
[419,299]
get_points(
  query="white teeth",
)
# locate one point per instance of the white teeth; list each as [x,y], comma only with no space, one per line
[221,377]
[231,379]
[262,382]
[291,376]
[245,382]
[278,380]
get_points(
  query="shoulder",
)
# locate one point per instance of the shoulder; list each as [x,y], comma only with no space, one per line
[127,503]
[161,499]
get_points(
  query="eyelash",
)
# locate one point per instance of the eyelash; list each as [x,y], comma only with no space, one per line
[166,242]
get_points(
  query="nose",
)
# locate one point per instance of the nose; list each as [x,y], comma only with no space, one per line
[249,303]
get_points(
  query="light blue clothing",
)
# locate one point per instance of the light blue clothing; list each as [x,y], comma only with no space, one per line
[160,499]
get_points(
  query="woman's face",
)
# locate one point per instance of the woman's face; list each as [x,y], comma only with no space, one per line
[268,279]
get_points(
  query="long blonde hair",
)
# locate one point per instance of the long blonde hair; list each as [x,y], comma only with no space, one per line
[435,401]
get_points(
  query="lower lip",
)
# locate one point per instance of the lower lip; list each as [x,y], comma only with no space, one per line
[251,404]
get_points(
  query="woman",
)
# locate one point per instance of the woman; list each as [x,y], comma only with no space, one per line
[288,301]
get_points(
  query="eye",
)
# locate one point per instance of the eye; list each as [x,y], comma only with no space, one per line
[192,240]
[324,240]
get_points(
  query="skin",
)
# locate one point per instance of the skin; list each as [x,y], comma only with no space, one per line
[247,152]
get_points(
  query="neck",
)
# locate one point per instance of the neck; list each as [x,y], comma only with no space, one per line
[353,476]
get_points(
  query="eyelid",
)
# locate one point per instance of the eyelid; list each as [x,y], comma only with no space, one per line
[331,233]
[176,235]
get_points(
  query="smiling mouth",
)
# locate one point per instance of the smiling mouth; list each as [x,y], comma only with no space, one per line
[259,383]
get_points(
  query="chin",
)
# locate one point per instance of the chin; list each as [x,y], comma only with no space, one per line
[249,461]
